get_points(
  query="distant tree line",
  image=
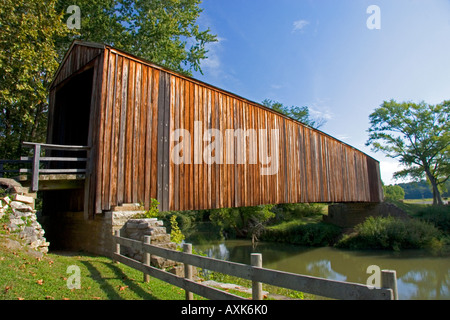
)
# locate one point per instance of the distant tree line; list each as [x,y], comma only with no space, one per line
[421,190]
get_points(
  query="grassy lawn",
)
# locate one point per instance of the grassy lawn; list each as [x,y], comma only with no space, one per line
[418,201]
[27,277]
[23,276]
[412,207]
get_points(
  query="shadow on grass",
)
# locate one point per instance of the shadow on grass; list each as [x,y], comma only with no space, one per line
[110,290]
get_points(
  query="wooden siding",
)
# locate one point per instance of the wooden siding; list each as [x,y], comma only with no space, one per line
[77,60]
[141,105]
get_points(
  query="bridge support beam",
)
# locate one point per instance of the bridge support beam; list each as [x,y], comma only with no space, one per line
[348,215]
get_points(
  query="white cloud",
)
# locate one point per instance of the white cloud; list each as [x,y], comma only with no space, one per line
[343,137]
[320,112]
[300,25]
[213,64]
[276,86]
[320,109]
[387,169]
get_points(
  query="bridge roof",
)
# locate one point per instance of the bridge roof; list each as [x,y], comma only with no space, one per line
[102,46]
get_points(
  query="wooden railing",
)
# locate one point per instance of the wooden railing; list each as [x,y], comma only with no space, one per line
[36,160]
[254,272]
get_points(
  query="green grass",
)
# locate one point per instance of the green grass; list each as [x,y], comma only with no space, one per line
[26,277]
[439,216]
[417,201]
[429,228]
[23,276]
[393,234]
[410,206]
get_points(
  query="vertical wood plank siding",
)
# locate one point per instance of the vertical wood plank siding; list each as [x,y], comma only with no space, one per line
[138,142]
[137,107]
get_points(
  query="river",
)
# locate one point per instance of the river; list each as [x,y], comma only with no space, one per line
[421,275]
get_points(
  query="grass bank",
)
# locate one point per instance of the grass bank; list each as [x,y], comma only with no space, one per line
[394,234]
[27,277]
[306,231]
[428,228]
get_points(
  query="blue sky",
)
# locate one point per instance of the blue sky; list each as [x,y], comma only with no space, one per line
[321,54]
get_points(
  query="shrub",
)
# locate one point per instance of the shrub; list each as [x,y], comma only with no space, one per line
[243,220]
[391,234]
[316,234]
[392,193]
[437,215]
[152,212]
[175,234]
[292,211]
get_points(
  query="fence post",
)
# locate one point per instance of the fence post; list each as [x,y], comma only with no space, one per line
[187,248]
[389,280]
[1,169]
[35,168]
[147,240]
[256,261]
[117,234]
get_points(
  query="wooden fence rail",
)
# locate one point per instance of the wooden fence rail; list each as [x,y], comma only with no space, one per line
[255,272]
[37,159]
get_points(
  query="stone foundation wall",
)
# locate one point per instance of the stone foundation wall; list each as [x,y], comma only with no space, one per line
[19,217]
[348,215]
[137,229]
[68,230]
[71,231]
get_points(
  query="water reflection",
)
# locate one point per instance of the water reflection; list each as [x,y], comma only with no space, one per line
[420,275]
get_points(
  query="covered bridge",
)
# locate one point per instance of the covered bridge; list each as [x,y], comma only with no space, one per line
[129,112]
[146,132]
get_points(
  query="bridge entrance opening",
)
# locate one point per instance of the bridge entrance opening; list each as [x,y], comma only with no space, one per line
[71,126]
[71,114]
[72,110]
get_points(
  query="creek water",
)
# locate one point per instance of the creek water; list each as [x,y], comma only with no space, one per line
[421,275]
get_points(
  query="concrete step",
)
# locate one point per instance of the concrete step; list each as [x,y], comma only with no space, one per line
[128,207]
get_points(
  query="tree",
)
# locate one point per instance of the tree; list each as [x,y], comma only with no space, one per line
[34,38]
[164,32]
[28,60]
[417,190]
[418,135]
[393,193]
[243,221]
[300,114]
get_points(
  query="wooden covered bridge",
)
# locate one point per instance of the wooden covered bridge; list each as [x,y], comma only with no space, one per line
[132,122]
[128,112]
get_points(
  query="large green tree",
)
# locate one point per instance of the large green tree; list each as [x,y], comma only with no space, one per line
[243,221]
[418,135]
[165,32]
[34,36]
[393,193]
[28,60]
